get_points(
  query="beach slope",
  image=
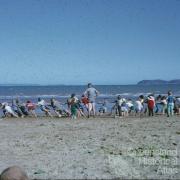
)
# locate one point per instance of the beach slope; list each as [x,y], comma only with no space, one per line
[94,148]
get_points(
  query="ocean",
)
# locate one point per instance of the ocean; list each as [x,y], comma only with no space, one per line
[62,92]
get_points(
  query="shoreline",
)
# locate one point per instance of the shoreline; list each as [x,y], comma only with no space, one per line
[106,116]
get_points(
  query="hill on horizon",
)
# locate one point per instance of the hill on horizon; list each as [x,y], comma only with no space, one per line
[158,82]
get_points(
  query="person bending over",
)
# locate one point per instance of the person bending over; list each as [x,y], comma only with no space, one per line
[7,110]
[43,106]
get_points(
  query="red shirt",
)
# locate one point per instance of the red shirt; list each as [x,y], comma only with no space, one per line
[151,103]
[85,100]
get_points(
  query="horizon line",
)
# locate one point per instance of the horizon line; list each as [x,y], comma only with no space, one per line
[85,84]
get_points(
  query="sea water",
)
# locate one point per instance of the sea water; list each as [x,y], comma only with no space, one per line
[62,92]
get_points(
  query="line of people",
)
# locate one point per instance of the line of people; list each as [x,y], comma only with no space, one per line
[86,106]
[150,105]
[75,107]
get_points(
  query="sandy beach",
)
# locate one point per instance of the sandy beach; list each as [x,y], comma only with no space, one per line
[92,148]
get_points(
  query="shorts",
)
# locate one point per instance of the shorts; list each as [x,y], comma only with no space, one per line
[44,108]
[31,108]
[139,109]
[103,110]
[91,100]
[132,108]
[74,110]
[124,109]
[90,106]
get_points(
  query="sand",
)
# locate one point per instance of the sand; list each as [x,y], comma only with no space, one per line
[95,148]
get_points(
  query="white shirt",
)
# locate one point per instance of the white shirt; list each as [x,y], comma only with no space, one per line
[139,105]
[8,109]
[41,103]
[129,104]
[164,101]
[120,101]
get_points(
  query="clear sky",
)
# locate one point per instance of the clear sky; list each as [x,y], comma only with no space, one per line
[80,41]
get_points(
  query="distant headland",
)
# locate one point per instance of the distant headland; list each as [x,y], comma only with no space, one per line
[158,82]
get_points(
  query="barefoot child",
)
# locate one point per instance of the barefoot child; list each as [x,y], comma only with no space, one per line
[56,107]
[73,106]
[43,106]
[151,105]
[31,108]
[7,110]
[103,107]
[170,104]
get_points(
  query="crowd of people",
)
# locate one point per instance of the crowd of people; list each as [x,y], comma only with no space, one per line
[86,106]
[74,107]
[149,105]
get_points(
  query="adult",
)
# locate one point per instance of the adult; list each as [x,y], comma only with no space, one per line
[91,94]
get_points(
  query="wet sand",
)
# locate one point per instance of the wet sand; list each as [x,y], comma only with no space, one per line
[60,148]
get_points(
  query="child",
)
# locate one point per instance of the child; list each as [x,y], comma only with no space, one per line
[42,104]
[124,109]
[21,107]
[103,108]
[31,108]
[158,104]
[119,103]
[73,106]
[170,104]
[177,103]
[7,110]
[85,101]
[130,106]
[80,109]
[139,105]
[164,104]
[151,105]
[56,107]
[16,109]
[117,106]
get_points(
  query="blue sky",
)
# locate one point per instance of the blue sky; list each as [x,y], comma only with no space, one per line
[80,41]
